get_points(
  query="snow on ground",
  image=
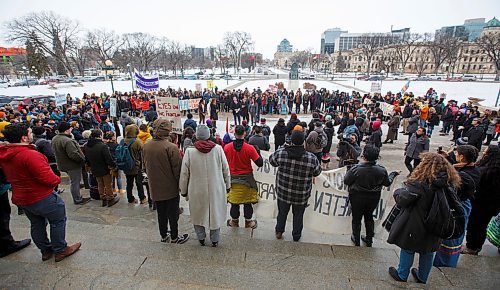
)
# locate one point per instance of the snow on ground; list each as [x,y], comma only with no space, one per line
[459,91]
[105,86]
[264,84]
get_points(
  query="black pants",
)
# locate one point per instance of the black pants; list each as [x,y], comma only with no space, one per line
[6,238]
[247,211]
[363,207]
[298,218]
[85,178]
[479,219]
[56,172]
[130,185]
[408,161]
[168,214]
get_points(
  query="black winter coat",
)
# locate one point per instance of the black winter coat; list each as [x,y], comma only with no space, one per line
[475,135]
[99,158]
[408,230]
[280,131]
[367,179]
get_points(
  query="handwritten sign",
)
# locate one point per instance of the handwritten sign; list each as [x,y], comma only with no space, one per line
[168,109]
[60,99]
[112,107]
[190,104]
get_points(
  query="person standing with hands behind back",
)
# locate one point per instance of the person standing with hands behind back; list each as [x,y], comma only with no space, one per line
[365,182]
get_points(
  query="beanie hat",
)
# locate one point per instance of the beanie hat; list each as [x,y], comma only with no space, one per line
[298,128]
[328,118]
[209,123]
[262,120]
[293,116]
[162,128]
[39,130]
[297,137]
[202,132]
[63,126]
[376,125]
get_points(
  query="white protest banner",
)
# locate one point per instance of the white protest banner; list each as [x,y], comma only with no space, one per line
[328,210]
[112,107]
[376,88]
[189,104]
[198,87]
[168,108]
[60,99]
[387,109]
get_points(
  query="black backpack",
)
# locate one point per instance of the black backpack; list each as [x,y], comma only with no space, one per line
[446,217]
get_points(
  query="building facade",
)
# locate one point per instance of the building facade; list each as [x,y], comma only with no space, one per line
[347,41]
[284,46]
[328,38]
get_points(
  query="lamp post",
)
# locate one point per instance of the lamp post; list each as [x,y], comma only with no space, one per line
[25,72]
[129,66]
[381,78]
[108,70]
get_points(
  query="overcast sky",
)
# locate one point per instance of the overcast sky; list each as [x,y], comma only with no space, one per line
[203,23]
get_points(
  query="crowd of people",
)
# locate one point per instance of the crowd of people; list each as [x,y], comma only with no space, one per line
[92,147]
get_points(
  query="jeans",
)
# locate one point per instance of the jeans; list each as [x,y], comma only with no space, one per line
[424,264]
[297,108]
[363,206]
[237,118]
[408,161]
[105,186]
[201,234]
[422,123]
[168,214]
[52,210]
[430,128]
[130,185]
[75,176]
[118,180]
[247,211]
[6,238]
[298,218]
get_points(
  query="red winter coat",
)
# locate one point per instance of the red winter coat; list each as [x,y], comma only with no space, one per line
[28,172]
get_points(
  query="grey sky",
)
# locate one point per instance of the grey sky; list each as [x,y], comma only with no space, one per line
[203,23]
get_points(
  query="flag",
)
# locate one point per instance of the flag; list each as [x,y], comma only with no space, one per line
[252,58]
[405,88]
[146,84]
[227,124]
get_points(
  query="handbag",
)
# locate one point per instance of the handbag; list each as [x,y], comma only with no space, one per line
[389,220]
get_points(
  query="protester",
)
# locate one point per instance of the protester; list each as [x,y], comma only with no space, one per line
[376,136]
[419,143]
[258,140]
[316,141]
[190,122]
[296,169]
[243,191]
[162,163]
[101,162]
[279,131]
[33,183]
[134,174]
[205,181]
[70,159]
[144,134]
[365,182]
[392,132]
[434,175]
[348,151]
[110,140]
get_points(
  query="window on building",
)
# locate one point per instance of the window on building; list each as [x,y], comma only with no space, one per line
[476,59]
[463,66]
[474,67]
[482,59]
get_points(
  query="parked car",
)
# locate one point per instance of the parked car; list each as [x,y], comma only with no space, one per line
[74,79]
[20,83]
[399,77]
[362,77]
[436,77]
[454,79]
[4,84]
[376,78]
[422,78]
[99,79]
[469,78]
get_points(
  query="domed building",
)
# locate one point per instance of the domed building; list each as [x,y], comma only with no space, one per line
[491,27]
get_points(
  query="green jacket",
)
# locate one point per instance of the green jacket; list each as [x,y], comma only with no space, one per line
[67,152]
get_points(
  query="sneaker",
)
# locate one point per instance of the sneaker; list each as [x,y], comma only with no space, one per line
[181,239]
[70,250]
[355,241]
[414,273]
[202,242]
[60,191]
[165,239]
[144,201]
[215,244]
[279,235]
[133,201]
[394,274]
[113,201]
[468,251]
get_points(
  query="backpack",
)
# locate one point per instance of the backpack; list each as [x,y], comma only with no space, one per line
[446,218]
[124,159]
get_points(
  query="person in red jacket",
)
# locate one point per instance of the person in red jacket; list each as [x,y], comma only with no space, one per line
[33,182]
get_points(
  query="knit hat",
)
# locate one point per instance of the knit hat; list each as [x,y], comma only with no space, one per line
[376,125]
[162,128]
[298,128]
[281,121]
[293,116]
[202,132]
[39,130]
[297,137]
[63,126]
[328,118]
[262,120]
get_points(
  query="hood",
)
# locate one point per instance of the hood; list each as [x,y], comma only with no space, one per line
[124,115]
[295,152]
[238,144]
[93,141]
[131,131]
[204,146]
[7,152]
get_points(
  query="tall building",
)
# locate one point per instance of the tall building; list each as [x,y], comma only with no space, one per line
[347,41]
[469,31]
[474,27]
[457,31]
[197,52]
[285,46]
[328,39]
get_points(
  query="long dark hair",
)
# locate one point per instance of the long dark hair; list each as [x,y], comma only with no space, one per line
[491,158]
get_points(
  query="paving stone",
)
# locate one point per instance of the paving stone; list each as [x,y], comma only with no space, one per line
[365,254]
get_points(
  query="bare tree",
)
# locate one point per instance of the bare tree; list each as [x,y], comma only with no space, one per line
[404,50]
[370,46]
[300,57]
[142,49]
[439,51]
[490,43]
[81,55]
[387,60]
[453,48]
[106,43]
[221,58]
[54,35]
[340,64]
[236,43]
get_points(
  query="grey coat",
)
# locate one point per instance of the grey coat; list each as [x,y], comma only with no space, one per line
[417,146]
[67,152]
[392,133]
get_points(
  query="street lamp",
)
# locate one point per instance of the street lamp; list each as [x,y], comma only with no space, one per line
[108,70]
[25,72]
